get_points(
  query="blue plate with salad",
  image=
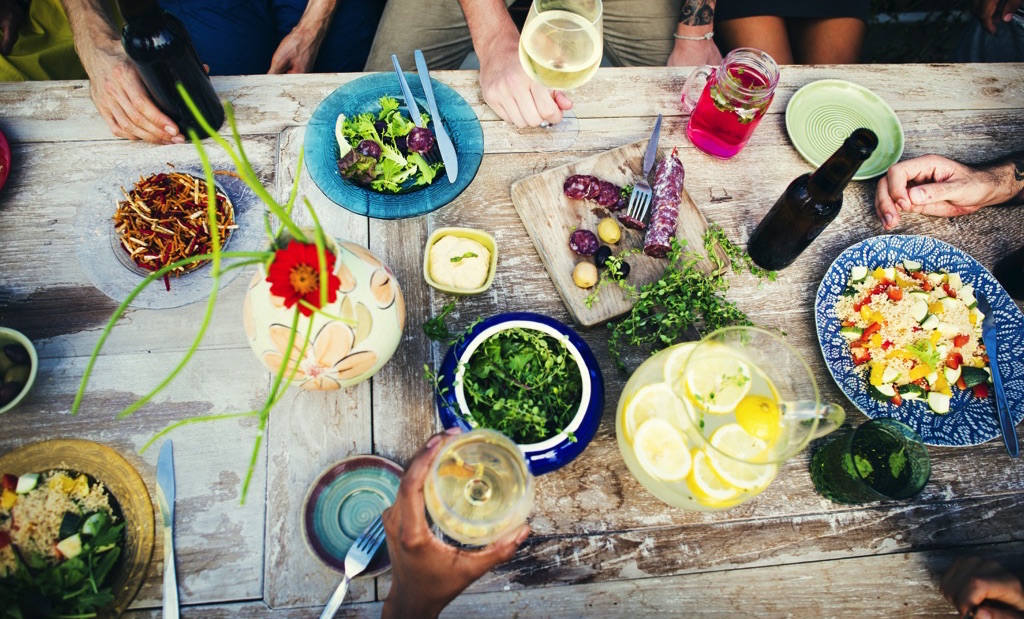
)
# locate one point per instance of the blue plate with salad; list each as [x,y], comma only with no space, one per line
[376,170]
[900,331]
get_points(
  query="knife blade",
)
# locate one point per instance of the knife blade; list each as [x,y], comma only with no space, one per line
[652,147]
[165,498]
[444,143]
[989,337]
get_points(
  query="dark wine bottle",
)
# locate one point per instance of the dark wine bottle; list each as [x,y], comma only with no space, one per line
[1010,273]
[163,53]
[809,204]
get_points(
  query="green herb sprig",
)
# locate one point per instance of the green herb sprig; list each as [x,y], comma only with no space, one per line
[435,328]
[468,254]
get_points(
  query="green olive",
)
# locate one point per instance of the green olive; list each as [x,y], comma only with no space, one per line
[17,374]
[5,362]
[609,231]
[585,274]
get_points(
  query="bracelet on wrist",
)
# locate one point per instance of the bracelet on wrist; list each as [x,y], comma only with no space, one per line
[703,37]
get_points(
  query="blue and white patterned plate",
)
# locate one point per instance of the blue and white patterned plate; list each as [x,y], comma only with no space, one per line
[361,95]
[971,421]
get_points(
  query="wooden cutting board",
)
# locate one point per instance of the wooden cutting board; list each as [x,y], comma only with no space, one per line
[550,217]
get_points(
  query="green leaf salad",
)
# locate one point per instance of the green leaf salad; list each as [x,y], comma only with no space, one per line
[385,151]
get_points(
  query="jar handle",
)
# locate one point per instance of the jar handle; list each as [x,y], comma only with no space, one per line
[688,100]
[830,417]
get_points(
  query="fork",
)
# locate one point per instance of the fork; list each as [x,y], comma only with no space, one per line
[358,557]
[433,155]
[640,198]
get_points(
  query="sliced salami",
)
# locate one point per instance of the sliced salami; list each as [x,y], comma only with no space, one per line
[576,186]
[587,187]
[609,195]
[595,188]
[668,188]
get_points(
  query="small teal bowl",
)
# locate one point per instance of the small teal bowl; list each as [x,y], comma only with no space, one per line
[557,451]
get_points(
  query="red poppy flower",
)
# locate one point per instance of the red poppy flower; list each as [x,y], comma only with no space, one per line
[294,274]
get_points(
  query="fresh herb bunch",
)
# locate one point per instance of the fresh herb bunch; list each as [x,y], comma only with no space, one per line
[682,299]
[74,587]
[523,383]
[435,328]
[739,259]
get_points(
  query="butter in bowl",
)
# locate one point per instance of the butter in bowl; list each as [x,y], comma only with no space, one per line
[460,261]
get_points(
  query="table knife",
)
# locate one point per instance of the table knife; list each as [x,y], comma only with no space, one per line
[444,143]
[988,335]
[165,498]
[652,148]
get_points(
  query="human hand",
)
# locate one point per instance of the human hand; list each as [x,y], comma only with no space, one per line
[934,185]
[694,54]
[984,588]
[297,51]
[11,16]
[426,573]
[991,12]
[122,99]
[510,92]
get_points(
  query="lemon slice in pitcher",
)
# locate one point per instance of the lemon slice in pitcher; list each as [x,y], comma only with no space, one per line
[661,450]
[732,440]
[657,400]
[717,383]
[759,416]
[708,488]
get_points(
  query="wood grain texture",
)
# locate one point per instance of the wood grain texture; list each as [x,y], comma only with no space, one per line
[549,217]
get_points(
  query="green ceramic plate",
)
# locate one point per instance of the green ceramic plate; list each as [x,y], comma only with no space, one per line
[824,113]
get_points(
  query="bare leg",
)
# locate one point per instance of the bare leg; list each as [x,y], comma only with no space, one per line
[827,41]
[765,33]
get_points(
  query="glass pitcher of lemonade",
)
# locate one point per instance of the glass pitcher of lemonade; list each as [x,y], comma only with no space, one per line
[706,425]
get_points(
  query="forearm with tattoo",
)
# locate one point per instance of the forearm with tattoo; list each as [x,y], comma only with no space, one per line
[697,13]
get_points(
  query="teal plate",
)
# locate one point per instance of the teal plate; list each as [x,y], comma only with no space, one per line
[343,502]
[824,113]
[361,95]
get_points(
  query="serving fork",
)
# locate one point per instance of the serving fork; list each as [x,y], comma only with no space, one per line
[433,155]
[640,198]
[358,557]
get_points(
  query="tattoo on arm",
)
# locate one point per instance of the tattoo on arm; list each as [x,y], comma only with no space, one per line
[697,13]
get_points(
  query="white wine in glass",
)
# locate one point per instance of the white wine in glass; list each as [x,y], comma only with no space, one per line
[560,48]
[479,487]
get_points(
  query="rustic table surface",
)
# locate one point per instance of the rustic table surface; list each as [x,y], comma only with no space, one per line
[602,545]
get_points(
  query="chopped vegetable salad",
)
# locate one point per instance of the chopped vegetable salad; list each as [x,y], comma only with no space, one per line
[915,334]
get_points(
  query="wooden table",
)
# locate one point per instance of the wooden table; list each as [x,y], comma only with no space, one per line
[602,546]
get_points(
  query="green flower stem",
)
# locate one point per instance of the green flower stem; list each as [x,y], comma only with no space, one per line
[321,256]
[191,420]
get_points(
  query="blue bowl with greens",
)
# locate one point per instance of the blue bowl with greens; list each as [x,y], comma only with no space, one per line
[529,377]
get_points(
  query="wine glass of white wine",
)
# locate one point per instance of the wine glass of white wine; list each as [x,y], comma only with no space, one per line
[479,487]
[561,48]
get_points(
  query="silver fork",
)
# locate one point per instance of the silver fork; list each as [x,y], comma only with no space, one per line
[433,155]
[358,557]
[640,198]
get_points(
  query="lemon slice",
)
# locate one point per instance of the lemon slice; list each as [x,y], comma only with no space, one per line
[733,440]
[675,362]
[708,488]
[657,400]
[343,145]
[661,450]
[717,383]
[759,416]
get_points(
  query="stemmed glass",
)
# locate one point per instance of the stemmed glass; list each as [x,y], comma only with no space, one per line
[561,48]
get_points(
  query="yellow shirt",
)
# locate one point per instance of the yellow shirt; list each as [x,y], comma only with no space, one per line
[44,49]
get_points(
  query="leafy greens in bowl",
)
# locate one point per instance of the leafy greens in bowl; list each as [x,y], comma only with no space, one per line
[529,377]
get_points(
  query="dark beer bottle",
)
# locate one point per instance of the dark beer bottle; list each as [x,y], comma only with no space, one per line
[1010,273]
[163,54]
[809,204]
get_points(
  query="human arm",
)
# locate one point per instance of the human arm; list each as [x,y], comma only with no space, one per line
[993,12]
[984,588]
[938,186]
[426,573]
[12,13]
[298,49]
[696,19]
[506,87]
[114,83]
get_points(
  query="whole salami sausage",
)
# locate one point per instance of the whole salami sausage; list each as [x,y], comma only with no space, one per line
[668,188]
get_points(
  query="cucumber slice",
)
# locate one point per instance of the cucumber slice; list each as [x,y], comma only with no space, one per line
[910,391]
[930,322]
[938,402]
[890,273]
[936,279]
[27,483]
[918,310]
[949,304]
[966,295]
[942,349]
[911,266]
[952,375]
[889,375]
[882,393]
[955,282]
[69,524]
[94,523]
[70,547]
[940,293]
[858,274]
[947,329]
[932,378]
[851,333]
[973,376]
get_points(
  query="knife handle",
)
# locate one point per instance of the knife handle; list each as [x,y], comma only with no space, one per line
[1003,412]
[170,576]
